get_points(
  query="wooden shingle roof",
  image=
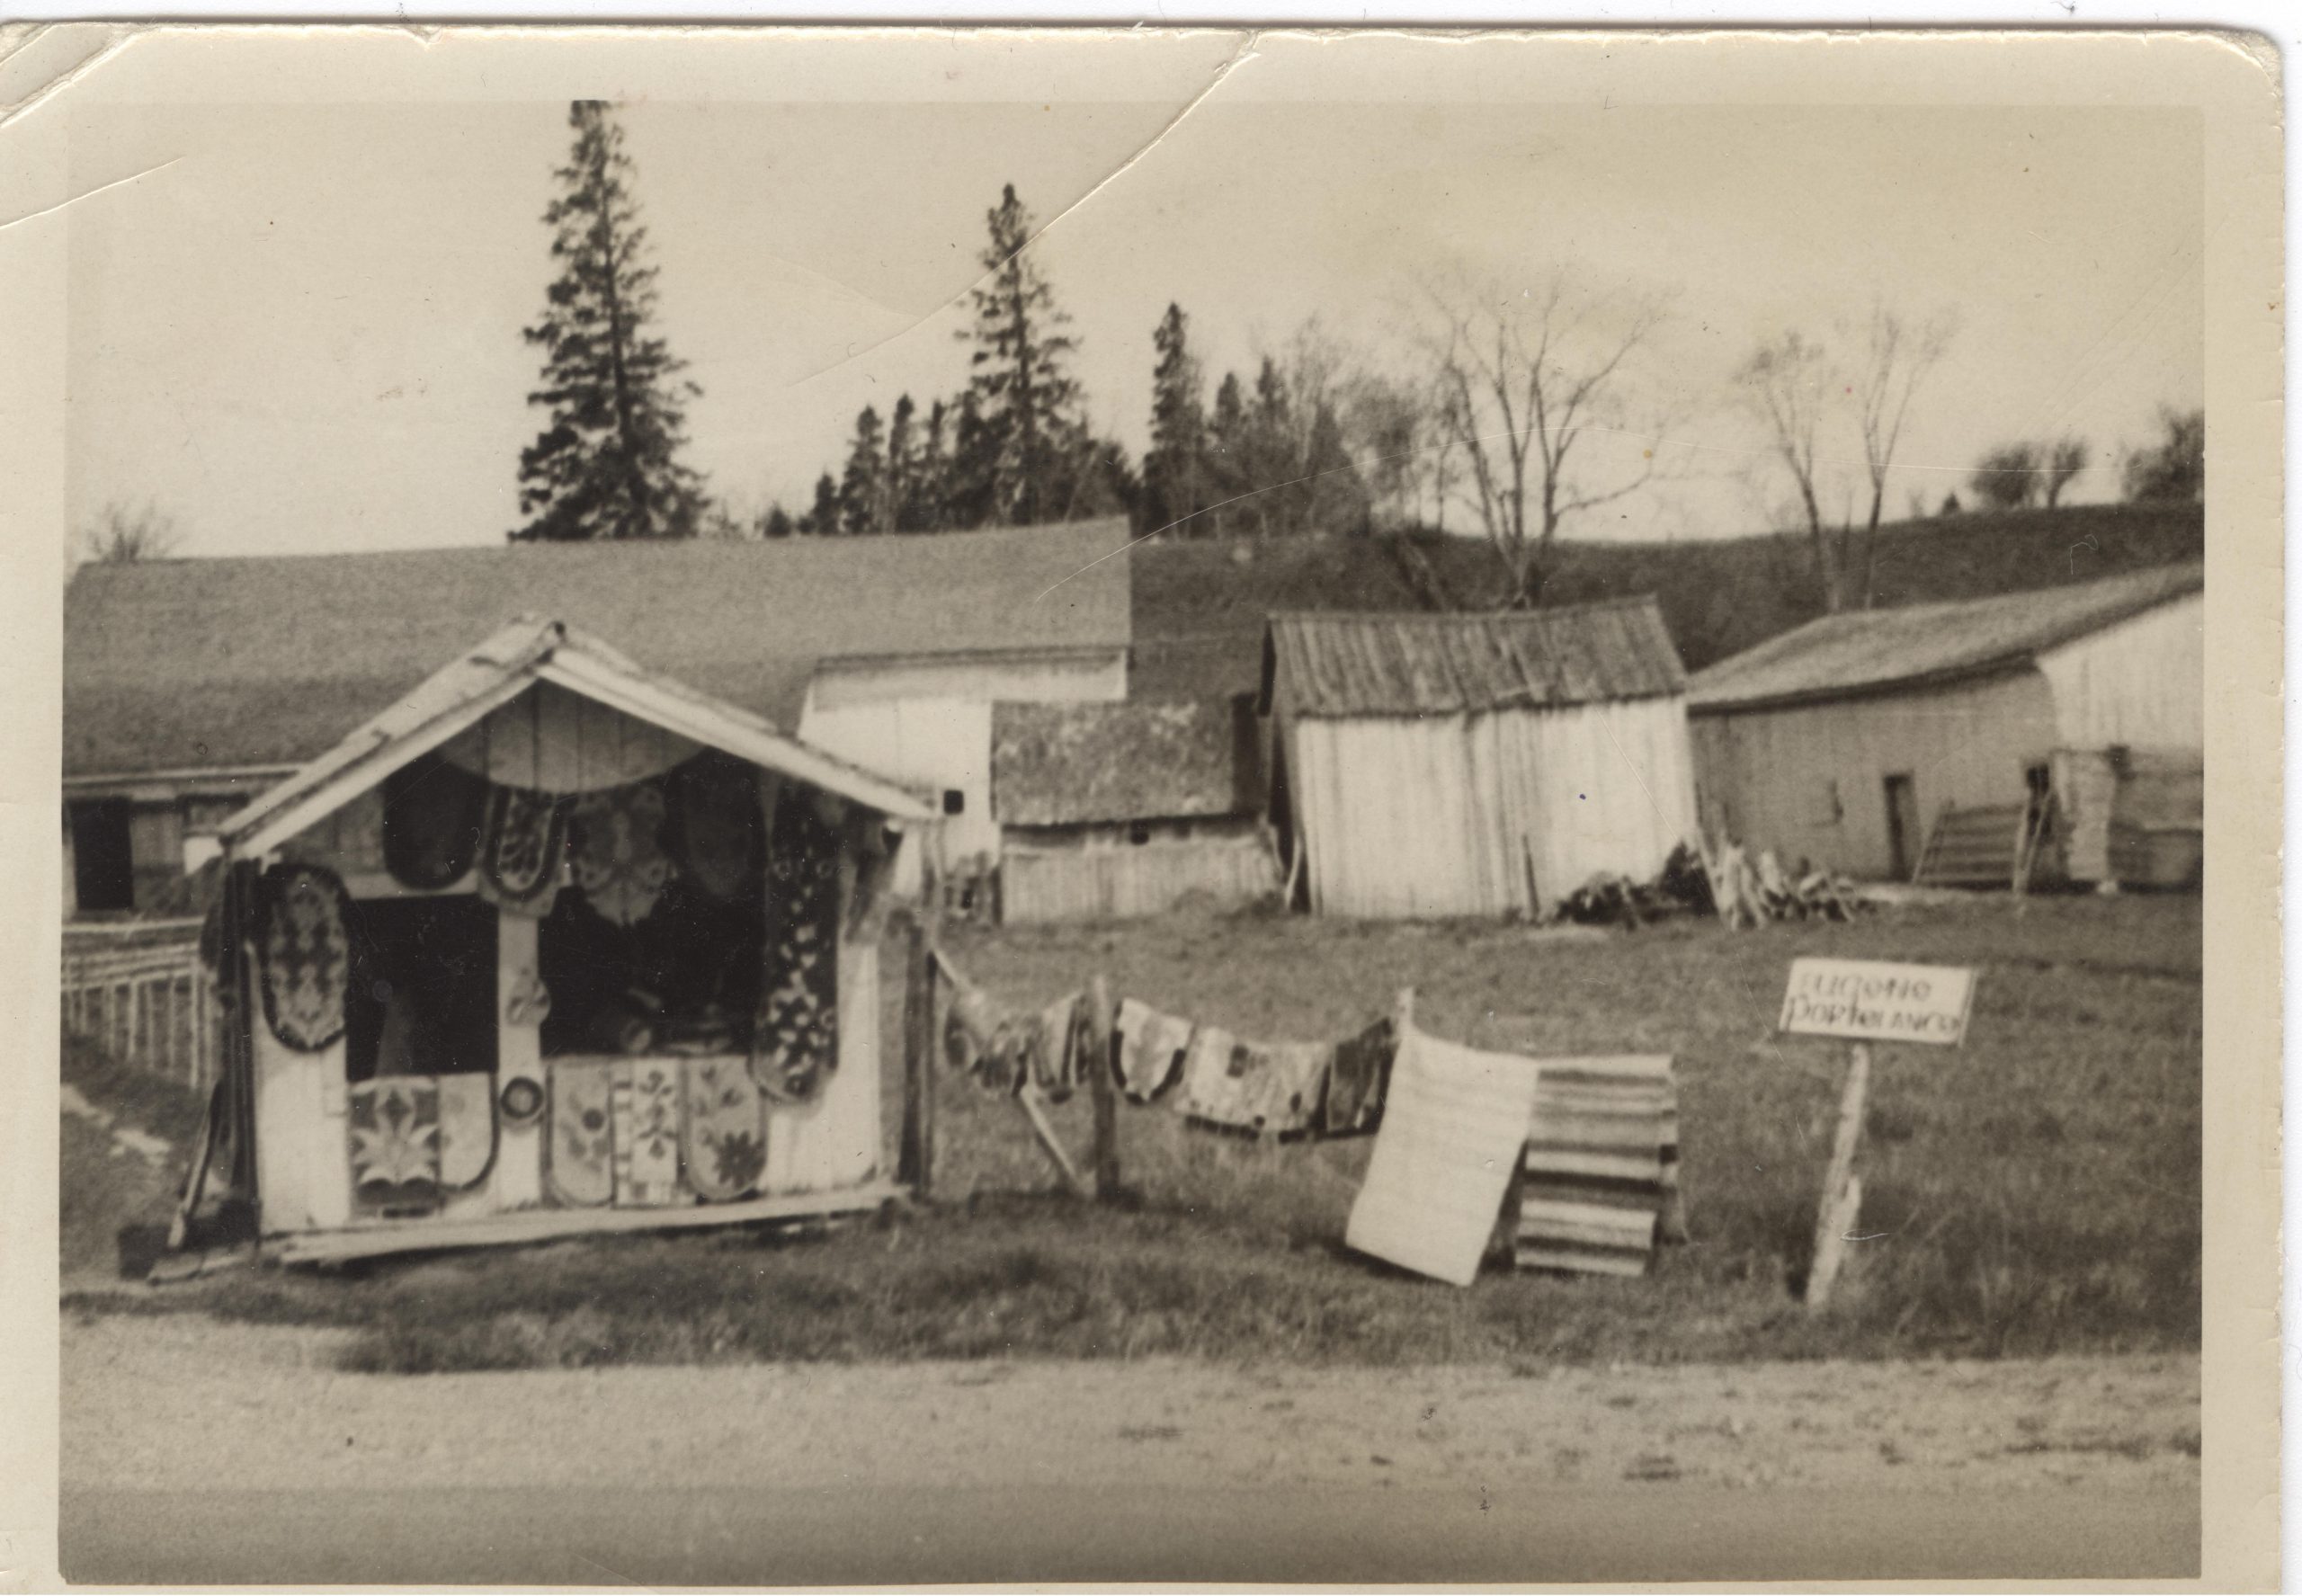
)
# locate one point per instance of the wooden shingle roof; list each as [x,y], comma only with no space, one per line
[1329,664]
[1079,764]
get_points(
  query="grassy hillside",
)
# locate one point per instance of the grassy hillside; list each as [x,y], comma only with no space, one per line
[1200,607]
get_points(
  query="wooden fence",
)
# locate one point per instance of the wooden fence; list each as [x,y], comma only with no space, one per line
[143,995]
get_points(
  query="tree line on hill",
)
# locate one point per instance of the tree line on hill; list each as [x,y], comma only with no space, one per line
[1522,409]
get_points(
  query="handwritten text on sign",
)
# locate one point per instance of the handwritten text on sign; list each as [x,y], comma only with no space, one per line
[1886,1002]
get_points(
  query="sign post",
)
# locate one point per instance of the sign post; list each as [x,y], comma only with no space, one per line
[1864,1001]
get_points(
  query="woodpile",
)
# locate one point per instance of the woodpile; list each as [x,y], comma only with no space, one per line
[1747,891]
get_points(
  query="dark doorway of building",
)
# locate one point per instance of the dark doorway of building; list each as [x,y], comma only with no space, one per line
[1902,825]
[423,989]
[103,860]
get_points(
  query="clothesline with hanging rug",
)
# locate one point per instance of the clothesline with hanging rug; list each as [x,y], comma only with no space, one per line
[1213,1078]
[1574,1161]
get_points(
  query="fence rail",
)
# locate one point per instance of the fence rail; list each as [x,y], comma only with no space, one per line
[149,1004]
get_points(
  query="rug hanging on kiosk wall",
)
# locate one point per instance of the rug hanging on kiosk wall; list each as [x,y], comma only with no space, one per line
[646,1099]
[795,1038]
[467,1130]
[395,1130]
[582,1135]
[724,1134]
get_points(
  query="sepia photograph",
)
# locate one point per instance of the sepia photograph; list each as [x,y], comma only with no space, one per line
[985,807]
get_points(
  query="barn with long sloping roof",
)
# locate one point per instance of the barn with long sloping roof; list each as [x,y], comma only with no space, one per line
[1427,766]
[189,685]
[1963,741]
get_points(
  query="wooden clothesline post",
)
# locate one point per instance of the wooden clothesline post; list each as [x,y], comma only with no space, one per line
[916,1162]
[1100,1065]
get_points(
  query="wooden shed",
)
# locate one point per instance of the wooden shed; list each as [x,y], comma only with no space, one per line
[552,944]
[1115,811]
[1459,764]
[1860,740]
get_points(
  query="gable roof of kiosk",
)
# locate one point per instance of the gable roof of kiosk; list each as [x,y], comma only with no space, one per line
[513,660]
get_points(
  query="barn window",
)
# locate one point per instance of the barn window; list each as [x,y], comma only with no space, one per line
[955,802]
[103,862]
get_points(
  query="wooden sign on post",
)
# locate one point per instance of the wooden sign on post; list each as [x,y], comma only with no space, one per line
[1881,1002]
[1865,1000]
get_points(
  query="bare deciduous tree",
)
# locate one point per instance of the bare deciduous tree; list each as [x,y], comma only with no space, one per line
[1793,385]
[1525,379]
[1897,357]
[121,534]
[1786,382]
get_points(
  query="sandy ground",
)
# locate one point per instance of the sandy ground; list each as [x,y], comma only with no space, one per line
[173,1403]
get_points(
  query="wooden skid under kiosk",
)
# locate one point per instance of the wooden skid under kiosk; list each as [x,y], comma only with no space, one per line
[541,1225]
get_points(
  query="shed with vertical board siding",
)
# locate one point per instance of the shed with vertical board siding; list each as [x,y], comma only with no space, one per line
[1845,742]
[1429,765]
[1116,811]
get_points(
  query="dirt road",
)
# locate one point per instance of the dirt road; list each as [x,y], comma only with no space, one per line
[196,1452]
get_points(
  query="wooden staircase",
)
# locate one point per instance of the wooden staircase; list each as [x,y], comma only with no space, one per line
[1994,845]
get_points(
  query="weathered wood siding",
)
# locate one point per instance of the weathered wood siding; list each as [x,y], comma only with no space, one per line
[303,1158]
[553,740]
[2109,807]
[1809,781]
[928,723]
[2140,683]
[1490,814]
[1105,875]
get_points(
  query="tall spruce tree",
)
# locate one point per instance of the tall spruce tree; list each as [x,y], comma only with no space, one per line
[1024,396]
[607,465]
[903,464]
[1230,448]
[927,486]
[863,487]
[822,520]
[1175,467]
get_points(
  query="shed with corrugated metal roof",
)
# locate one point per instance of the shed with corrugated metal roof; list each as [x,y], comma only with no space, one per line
[1441,764]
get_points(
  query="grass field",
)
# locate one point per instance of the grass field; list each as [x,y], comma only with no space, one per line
[2035,1192]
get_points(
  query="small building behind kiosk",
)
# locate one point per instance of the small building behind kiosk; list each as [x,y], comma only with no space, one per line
[656,965]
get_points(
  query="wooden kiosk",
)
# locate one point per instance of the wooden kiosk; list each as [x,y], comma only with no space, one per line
[553,945]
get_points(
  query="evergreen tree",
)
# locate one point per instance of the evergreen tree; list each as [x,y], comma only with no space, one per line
[607,465]
[822,520]
[1174,468]
[863,487]
[777,523]
[924,507]
[1023,394]
[1229,446]
[903,465]
[972,480]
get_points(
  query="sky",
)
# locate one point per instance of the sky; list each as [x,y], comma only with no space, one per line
[302,333]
